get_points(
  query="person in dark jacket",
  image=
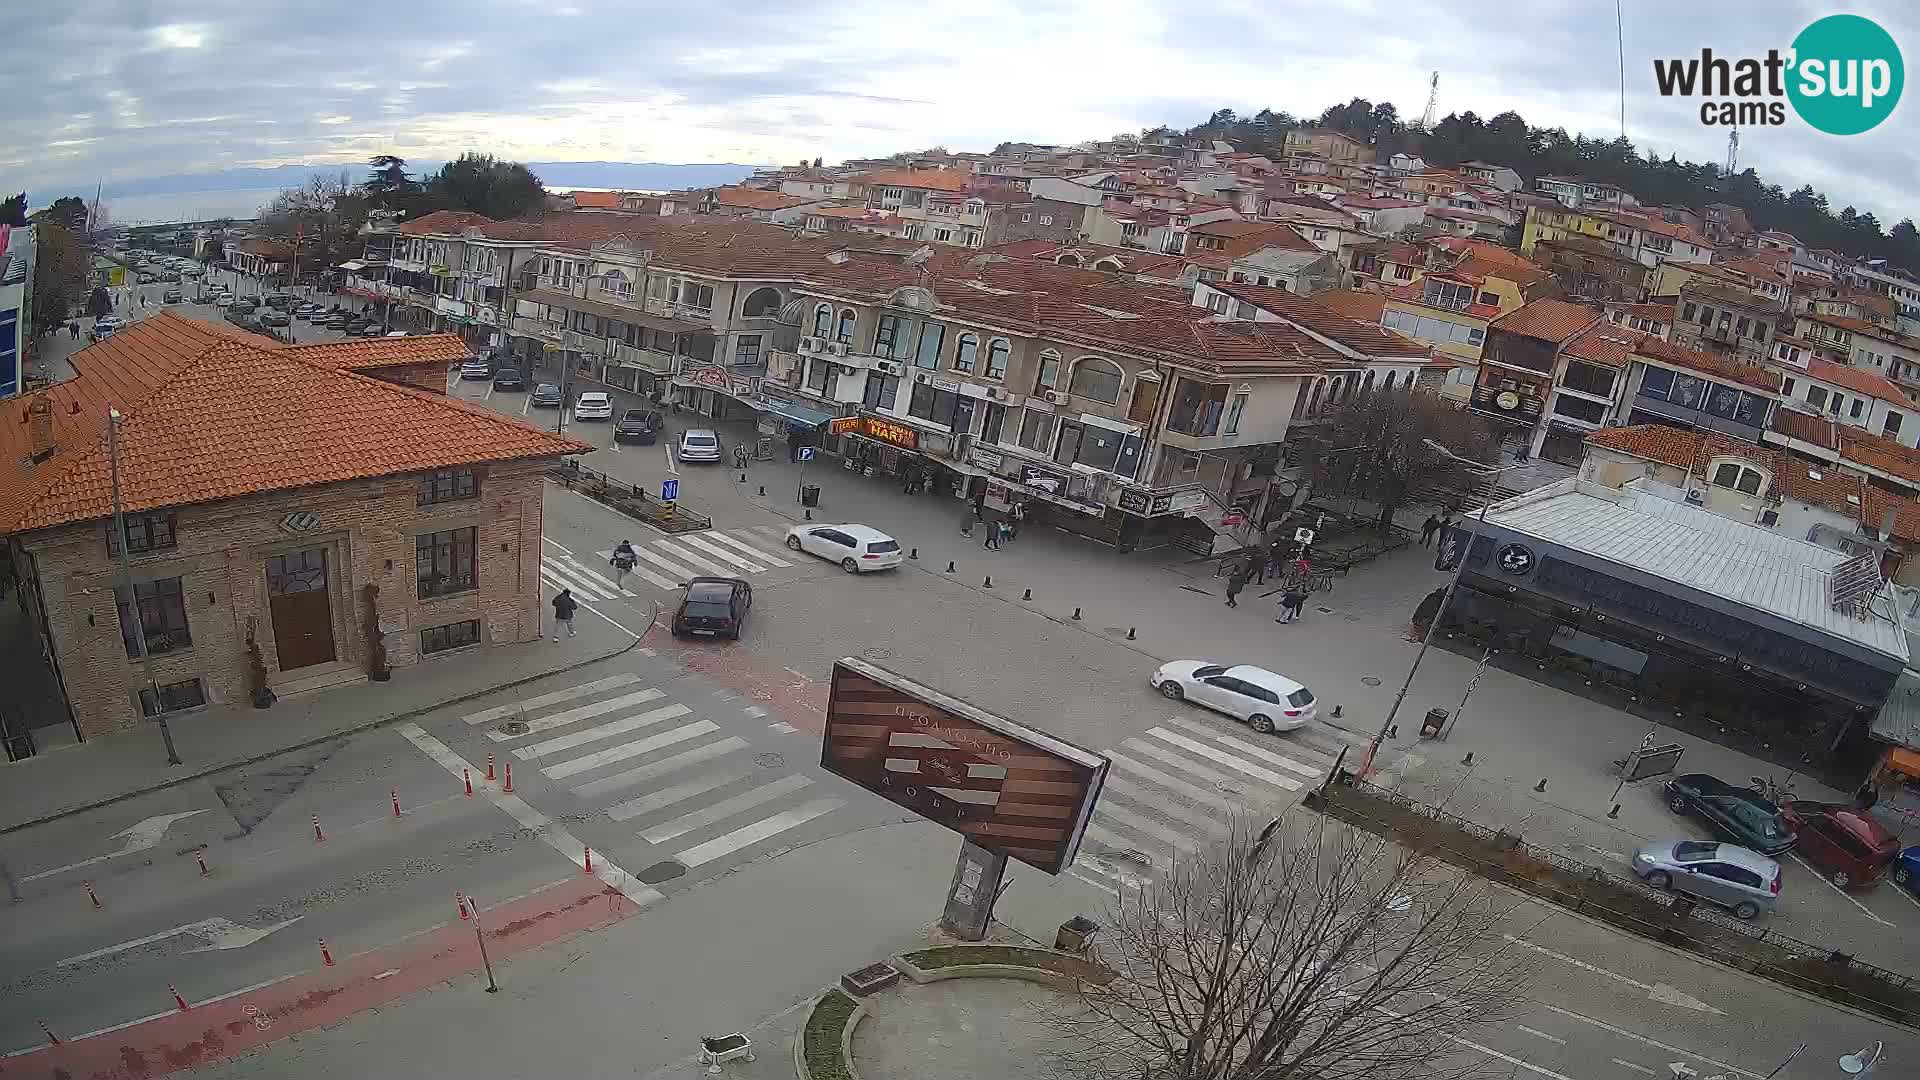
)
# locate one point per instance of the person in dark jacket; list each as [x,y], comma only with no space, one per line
[564,605]
[1290,605]
[624,558]
[1234,584]
[1427,529]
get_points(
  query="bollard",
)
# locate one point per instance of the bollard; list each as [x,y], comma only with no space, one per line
[318,836]
[1076,614]
[91,895]
[987,584]
[1393,732]
[1542,785]
[51,1037]
[743,478]
[1467,762]
[1614,814]
[587,865]
[809,515]
[1028,595]
[396,802]
[460,902]
[466,777]
[1130,633]
[1339,711]
[489,768]
[326,957]
[178,1001]
[949,566]
[914,554]
[200,855]
[508,786]
[763,491]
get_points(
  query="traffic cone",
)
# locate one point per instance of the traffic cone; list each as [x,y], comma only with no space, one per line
[177,999]
[460,901]
[489,768]
[466,777]
[509,784]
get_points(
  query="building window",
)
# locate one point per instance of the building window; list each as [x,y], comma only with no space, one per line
[1036,431]
[1854,409]
[1235,408]
[996,419]
[761,303]
[746,351]
[823,321]
[156,622]
[881,391]
[449,485]
[1686,313]
[933,405]
[444,562]
[943,236]
[1731,474]
[1892,427]
[933,335]
[844,335]
[1097,379]
[997,350]
[1833,404]
[886,336]
[145,532]
[1049,375]
[697,296]
[1046,219]
[964,353]
[1817,396]
[1449,295]
[817,376]
[172,697]
[1026,218]
[1490,299]
[1786,388]
[457,635]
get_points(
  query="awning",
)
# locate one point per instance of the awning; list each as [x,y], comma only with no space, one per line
[353,264]
[793,412]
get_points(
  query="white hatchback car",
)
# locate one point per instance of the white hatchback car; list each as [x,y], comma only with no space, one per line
[593,405]
[1266,700]
[857,548]
[699,444]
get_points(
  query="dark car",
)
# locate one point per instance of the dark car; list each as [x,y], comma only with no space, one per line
[274,317]
[546,396]
[283,301]
[638,426]
[338,321]
[508,378]
[713,607]
[1739,814]
[1843,841]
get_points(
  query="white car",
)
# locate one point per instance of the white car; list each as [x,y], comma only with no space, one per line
[105,326]
[222,300]
[857,548]
[593,405]
[1266,700]
[699,444]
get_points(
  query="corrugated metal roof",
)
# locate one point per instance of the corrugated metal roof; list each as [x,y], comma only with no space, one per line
[1899,719]
[1699,550]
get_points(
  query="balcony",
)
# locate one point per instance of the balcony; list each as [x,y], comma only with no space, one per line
[550,332]
[591,344]
[599,291]
[653,360]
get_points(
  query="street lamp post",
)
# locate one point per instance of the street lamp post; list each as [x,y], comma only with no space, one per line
[1373,746]
[126,584]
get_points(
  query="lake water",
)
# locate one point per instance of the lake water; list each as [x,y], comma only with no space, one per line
[239,203]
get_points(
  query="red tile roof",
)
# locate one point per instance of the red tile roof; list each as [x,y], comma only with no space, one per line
[1806,427]
[373,353]
[1605,344]
[1308,313]
[1547,320]
[746,198]
[1760,378]
[1354,303]
[597,200]
[930,179]
[444,221]
[215,415]
[1856,379]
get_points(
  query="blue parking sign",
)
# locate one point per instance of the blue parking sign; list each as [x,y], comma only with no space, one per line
[806,453]
[669,490]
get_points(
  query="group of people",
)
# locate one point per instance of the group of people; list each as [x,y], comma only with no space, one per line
[999,530]
[564,604]
[1292,602]
[1434,526]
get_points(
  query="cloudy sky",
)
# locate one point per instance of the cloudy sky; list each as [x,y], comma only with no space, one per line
[119,89]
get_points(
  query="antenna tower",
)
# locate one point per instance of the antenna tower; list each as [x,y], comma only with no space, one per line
[1733,153]
[1433,100]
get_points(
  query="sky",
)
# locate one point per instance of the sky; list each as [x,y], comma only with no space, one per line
[120,89]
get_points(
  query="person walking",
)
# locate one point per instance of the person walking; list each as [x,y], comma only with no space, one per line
[1427,529]
[967,518]
[1256,566]
[1291,604]
[624,557]
[993,536]
[564,605]
[1234,584]
[73,329]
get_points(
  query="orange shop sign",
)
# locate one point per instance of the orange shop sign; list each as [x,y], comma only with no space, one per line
[889,432]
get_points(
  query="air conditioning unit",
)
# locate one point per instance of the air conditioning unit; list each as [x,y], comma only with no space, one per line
[889,367]
[809,344]
[1055,397]
[922,377]
[837,348]
[1696,496]
[996,393]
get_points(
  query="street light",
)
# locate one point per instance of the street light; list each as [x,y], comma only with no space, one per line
[1373,747]
[126,583]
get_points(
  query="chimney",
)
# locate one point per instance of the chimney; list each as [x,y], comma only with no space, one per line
[40,427]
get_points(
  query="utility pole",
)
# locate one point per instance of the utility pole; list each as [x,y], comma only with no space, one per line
[126,584]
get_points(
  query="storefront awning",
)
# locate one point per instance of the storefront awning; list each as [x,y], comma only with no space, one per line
[793,411]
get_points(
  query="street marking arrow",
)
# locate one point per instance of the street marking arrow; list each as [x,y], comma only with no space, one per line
[1660,992]
[140,836]
[219,933]
[1680,1069]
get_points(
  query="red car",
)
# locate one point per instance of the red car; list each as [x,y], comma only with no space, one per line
[1853,849]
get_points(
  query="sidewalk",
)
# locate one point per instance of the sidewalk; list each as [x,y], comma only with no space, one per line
[114,767]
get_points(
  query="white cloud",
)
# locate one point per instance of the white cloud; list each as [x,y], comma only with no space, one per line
[180,36]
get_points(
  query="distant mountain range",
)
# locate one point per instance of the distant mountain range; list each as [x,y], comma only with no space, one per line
[626,175]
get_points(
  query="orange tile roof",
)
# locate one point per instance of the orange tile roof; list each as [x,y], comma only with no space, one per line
[1806,427]
[214,415]
[1876,452]
[1680,447]
[929,179]
[597,200]
[746,198]
[372,353]
[444,221]
[1354,303]
[1605,344]
[1858,326]
[1760,378]
[1856,379]
[1547,320]
[1307,312]
[1658,312]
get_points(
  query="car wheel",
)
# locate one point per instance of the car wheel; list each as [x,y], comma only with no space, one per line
[1745,910]
[1902,875]
[1171,690]
[1260,723]
[1660,879]
[849,565]
[1677,804]
[793,542]
[1841,879]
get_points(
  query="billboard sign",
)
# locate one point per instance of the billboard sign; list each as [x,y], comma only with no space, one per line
[1004,786]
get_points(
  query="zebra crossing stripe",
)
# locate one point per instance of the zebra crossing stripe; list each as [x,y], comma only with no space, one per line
[1224,758]
[666,766]
[637,571]
[681,573]
[600,581]
[600,731]
[1192,791]
[724,554]
[722,538]
[1139,794]
[501,712]
[562,578]
[699,785]
[1286,763]
[691,557]
[760,830]
[724,809]
[1179,841]
[1168,757]
[630,750]
[583,712]
[1085,880]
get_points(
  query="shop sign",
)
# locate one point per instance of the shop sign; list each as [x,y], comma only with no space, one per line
[945,384]
[1136,502]
[842,425]
[987,459]
[710,376]
[889,432]
[1047,480]
[1182,501]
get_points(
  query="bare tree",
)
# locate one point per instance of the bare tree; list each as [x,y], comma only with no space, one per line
[1305,950]
[1381,437]
[324,215]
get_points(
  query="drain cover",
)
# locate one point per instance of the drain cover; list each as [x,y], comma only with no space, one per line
[1322,609]
[661,871]
[513,727]
[877,654]
[770,761]
[1370,680]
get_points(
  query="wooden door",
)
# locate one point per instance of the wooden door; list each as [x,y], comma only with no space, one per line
[302,612]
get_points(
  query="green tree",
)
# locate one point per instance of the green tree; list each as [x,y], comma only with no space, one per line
[481,184]
[69,211]
[14,210]
[59,275]
[387,186]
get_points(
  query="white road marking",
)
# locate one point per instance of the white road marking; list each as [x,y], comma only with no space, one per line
[600,731]
[615,623]
[1661,992]
[488,396]
[140,836]
[387,974]
[724,809]
[556,576]
[1625,1064]
[781,727]
[220,934]
[1538,1034]
[632,749]
[665,797]
[555,835]
[1168,757]
[599,580]
[1119,844]
[754,710]
[1224,758]
[1603,1025]
[525,405]
[1085,880]
[1178,840]
[1192,791]
[1297,767]
[583,712]
[671,467]
[760,830]
[724,554]
[1140,794]
[680,573]
[692,557]
[665,766]
[719,537]
[1510,1059]
[1868,912]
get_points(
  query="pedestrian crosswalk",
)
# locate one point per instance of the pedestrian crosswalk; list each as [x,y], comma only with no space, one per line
[1173,789]
[674,779]
[666,563]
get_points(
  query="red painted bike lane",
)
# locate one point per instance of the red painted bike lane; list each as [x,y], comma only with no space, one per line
[239,1023]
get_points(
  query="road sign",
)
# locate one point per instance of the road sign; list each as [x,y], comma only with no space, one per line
[1303,536]
[669,490]
[806,453]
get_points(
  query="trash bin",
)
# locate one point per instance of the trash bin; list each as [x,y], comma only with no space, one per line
[810,495]
[1075,934]
[1431,727]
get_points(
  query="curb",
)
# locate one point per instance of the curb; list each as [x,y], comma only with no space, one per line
[378,721]
[846,1034]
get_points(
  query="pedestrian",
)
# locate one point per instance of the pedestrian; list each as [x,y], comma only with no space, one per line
[564,605]
[1019,518]
[1427,529]
[623,559]
[1290,605]
[73,329]
[1234,584]
[966,521]
[1256,566]
[996,530]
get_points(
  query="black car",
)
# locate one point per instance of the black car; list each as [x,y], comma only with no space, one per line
[638,426]
[1740,814]
[508,378]
[274,317]
[546,396]
[713,607]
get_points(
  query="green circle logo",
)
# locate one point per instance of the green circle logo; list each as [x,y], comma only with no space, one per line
[1846,75]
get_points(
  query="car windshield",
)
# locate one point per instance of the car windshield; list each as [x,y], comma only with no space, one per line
[632,416]
[546,388]
[1208,671]
[699,440]
[1694,850]
[706,609]
[883,545]
[1300,698]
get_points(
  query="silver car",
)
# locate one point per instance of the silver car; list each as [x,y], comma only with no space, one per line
[1744,882]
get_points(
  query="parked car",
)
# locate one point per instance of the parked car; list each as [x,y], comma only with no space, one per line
[359,327]
[398,333]
[593,405]
[337,321]
[222,300]
[171,296]
[546,396]
[309,312]
[509,378]
[1906,869]
[1744,882]
[105,326]
[638,426]
[1739,814]
[476,369]
[283,301]
[1846,844]
[244,306]
[373,329]
[273,317]
[857,548]
[1267,700]
[713,607]
[699,444]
